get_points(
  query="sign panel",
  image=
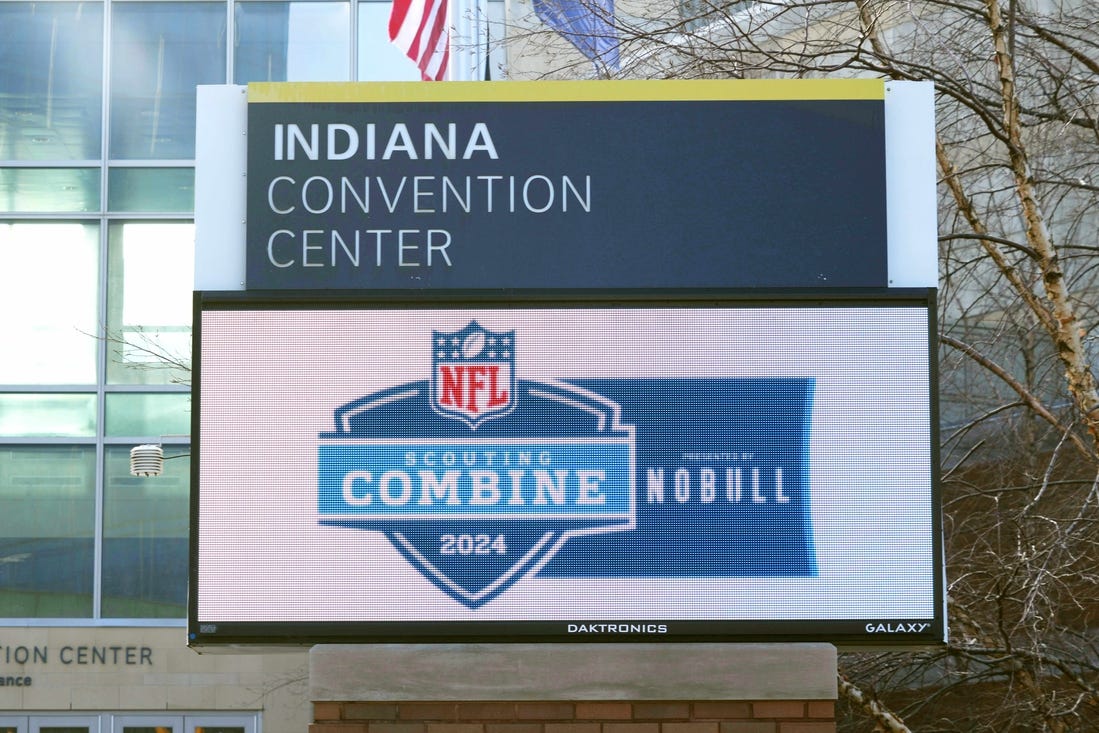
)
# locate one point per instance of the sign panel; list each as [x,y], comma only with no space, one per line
[682,469]
[714,184]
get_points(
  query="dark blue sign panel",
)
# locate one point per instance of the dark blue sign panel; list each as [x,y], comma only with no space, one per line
[567,185]
[539,469]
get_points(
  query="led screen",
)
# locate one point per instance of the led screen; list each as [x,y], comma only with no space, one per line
[632,470]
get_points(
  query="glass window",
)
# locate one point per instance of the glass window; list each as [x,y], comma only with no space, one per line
[48,286]
[47,526]
[292,41]
[190,723]
[50,80]
[47,415]
[49,189]
[124,723]
[379,59]
[150,281]
[697,13]
[165,190]
[159,52]
[138,414]
[145,531]
[64,724]
[147,724]
[220,724]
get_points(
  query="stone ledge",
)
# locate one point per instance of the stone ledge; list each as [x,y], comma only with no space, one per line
[395,672]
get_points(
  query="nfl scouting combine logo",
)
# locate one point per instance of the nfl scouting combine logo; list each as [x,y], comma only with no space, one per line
[476,477]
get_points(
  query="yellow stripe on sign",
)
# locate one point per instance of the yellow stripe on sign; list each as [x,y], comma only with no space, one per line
[669,90]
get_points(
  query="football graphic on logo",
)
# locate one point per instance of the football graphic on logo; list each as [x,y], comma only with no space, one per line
[473,344]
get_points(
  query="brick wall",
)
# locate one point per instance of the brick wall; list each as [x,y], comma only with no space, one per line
[774,716]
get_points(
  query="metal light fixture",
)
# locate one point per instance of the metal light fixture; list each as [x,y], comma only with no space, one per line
[146,460]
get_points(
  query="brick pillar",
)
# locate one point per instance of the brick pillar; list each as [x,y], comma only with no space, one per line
[759,716]
[573,688]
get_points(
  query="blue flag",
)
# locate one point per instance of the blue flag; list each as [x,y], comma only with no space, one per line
[586,24]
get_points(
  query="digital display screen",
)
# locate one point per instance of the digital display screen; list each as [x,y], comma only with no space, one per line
[652,469]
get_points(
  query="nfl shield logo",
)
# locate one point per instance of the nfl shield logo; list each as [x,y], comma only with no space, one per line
[473,374]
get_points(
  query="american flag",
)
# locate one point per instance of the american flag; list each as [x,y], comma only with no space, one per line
[420,29]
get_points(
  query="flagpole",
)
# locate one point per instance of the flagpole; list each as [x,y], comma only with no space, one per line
[487,60]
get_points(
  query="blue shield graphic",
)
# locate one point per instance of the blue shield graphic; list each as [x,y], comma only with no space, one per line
[477,512]
[473,374]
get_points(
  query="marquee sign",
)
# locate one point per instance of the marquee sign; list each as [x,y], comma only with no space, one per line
[711,184]
[471,469]
[567,361]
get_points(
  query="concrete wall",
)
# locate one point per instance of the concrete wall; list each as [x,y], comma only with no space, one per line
[98,669]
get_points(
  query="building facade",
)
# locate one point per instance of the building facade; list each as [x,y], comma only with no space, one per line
[97,148]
